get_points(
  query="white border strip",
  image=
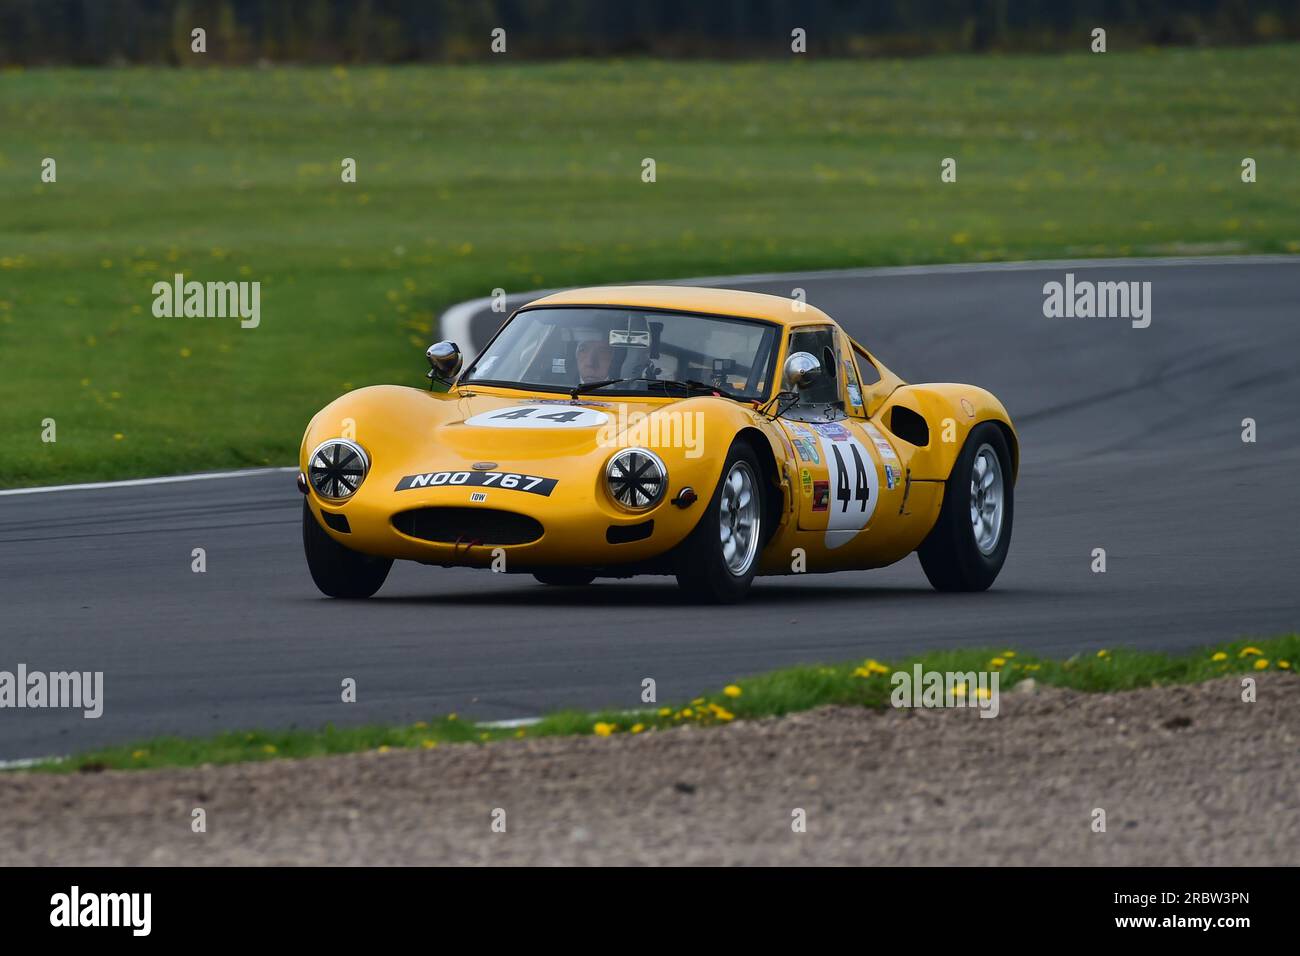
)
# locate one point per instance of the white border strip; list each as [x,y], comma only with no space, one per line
[509,724]
[24,762]
[136,482]
[456,321]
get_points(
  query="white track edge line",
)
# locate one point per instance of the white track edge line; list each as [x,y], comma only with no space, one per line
[136,482]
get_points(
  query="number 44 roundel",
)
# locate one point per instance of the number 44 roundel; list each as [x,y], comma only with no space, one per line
[539,416]
[855,483]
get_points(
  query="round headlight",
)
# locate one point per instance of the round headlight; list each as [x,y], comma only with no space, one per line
[336,468]
[637,479]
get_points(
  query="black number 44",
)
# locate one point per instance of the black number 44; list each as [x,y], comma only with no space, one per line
[862,492]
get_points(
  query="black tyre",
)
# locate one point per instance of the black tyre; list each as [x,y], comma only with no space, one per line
[339,572]
[968,544]
[565,577]
[717,561]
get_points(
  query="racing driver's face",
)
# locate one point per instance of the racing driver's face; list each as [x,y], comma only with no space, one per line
[594,357]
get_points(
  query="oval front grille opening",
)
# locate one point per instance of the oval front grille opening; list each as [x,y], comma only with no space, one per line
[466,525]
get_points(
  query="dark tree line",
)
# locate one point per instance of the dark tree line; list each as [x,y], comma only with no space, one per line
[108,32]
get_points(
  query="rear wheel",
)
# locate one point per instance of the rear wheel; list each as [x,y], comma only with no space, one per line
[339,572]
[564,577]
[968,544]
[717,561]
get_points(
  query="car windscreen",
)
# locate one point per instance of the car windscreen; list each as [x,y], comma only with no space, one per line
[559,348]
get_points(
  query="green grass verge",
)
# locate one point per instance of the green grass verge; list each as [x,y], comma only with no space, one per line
[857,683]
[524,176]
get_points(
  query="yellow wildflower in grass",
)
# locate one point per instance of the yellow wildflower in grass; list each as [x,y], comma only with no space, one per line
[731,690]
[698,702]
[1250,651]
[484,736]
[869,667]
[118,436]
[521,732]
[997,662]
[959,690]
[1285,665]
[185,351]
[1261,664]
[983,693]
[270,748]
[451,716]
[1103,653]
[637,728]
[1008,653]
[665,711]
[137,754]
[1219,656]
[420,725]
[686,712]
[603,729]
[428,744]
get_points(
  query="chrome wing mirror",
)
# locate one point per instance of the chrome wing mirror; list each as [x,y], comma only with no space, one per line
[445,360]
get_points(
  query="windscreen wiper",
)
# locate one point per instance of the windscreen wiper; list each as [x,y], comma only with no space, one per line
[582,387]
[691,385]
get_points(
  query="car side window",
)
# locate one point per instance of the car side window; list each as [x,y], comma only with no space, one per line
[867,370]
[820,343]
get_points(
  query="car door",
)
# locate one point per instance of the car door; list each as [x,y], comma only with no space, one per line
[839,473]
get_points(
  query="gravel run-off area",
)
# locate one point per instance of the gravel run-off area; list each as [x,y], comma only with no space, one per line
[1188,775]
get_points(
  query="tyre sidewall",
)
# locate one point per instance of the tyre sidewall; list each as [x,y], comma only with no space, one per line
[974,569]
[702,569]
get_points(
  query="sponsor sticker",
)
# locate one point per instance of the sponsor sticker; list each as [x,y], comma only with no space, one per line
[482,495]
[821,495]
[891,476]
[833,430]
[882,444]
[512,481]
[805,444]
[806,476]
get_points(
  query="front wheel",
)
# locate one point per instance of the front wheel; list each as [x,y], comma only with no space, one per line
[717,561]
[339,572]
[968,544]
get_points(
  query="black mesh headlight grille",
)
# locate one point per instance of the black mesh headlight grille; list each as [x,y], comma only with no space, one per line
[637,479]
[336,468]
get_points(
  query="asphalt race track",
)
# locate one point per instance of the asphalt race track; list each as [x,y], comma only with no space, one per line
[1131,438]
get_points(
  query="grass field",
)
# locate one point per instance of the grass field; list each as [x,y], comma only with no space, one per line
[789,690]
[471,178]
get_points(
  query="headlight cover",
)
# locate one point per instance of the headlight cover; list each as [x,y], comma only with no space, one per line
[636,478]
[336,468]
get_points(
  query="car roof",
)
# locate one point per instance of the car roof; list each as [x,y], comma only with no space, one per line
[753,305]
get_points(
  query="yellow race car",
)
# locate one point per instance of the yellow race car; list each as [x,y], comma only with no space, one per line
[705,433]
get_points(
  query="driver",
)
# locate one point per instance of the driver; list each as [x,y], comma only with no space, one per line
[595,360]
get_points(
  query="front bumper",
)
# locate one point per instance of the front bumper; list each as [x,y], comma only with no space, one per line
[571,527]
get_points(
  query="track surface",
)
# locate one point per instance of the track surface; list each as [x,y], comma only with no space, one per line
[1131,442]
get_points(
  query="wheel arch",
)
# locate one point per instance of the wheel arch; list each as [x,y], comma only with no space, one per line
[774,500]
